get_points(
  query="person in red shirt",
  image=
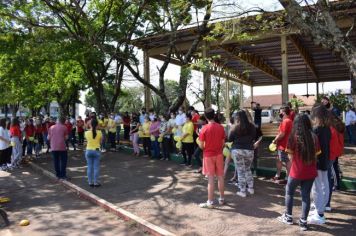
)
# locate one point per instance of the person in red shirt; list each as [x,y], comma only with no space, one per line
[212,140]
[16,136]
[195,120]
[126,121]
[337,129]
[281,140]
[29,137]
[70,139]
[302,148]
[38,141]
[80,130]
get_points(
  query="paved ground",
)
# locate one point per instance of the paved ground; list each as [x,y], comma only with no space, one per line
[52,210]
[167,195]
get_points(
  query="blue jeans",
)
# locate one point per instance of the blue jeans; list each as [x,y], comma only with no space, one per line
[60,159]
[155,148]
[306,186]
[93,163]
[332,180]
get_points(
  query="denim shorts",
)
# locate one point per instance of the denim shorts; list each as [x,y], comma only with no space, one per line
[283,156]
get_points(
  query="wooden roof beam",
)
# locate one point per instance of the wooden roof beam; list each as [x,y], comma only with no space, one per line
[217,70]
[304,53]
[252,59]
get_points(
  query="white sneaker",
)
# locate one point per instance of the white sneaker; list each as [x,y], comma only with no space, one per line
[312,212]
[316,219]
[241,194]
[251,191]
[207,204]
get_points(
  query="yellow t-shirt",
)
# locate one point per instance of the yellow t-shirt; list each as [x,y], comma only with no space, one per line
[188,128]
[146,130]
[93,144]
[111,126]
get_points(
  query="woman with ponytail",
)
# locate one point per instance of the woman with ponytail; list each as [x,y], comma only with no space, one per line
[92,154]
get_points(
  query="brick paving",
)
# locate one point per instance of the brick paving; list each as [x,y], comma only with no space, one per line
[167,195]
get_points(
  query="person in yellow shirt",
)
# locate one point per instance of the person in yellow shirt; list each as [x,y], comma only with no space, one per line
[187,140]
[146,138]
[111,129]
[102,124]
[92,154]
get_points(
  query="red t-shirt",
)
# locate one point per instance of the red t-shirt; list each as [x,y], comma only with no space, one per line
[195,119]
[15,131]
[29,131]
[38,129]
[45,127]
[336,144]
[69,127]
[292,115]
[80,126]
[213,134]
[299,170]
[286,128]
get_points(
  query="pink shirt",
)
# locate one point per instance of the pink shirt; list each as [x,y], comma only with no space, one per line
[155,125]
[57,136]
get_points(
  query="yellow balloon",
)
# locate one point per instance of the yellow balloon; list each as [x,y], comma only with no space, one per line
[4,199]
[140,134]
[198,141]
[12,144]
[153,138]
[272,147]
[160,139]
[24,222]
[229,145]
[31,138]
[177,138]
[179,145]
[226,152]
[174,130]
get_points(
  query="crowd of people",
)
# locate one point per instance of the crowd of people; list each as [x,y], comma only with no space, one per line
[302,143]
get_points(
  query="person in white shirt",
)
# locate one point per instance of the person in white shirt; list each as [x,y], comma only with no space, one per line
[152,115]
[350,120]
[180,118]
[5,148]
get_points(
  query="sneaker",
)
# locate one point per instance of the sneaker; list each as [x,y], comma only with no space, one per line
[286,219]
[316,219]
[328,209]
[241,194]
[251,191]
[312,212]
[303,225]
[231,182]
[207,205]
[221,201]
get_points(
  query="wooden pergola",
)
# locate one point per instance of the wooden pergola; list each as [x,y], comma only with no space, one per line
[276,57]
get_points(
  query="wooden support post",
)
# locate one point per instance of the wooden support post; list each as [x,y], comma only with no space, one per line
[251,92]
[227,101]
[317,89]
[241,96]
[206,78]
[146,76]
[284,55]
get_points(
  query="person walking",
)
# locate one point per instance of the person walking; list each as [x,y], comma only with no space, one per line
[4,144]
[57,136]
[242,136]
[80,130]
[211,141]
[302,148]
[93,154]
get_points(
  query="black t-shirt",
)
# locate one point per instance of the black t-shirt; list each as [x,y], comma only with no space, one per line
[243,141]
[258,114]
[324,136]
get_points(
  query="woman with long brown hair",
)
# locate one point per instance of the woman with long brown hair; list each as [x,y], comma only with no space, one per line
[302,149]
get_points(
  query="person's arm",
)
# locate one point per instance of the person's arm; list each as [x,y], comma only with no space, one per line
[279,137]
[257,143]
[4,139]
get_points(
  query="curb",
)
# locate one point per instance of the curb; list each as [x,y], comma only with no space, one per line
[127,216]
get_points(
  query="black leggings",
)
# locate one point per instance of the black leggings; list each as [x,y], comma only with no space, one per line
[146,142]
[187,149]
[5,156]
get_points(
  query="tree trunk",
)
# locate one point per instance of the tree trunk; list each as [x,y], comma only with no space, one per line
[185,75]
[14,109]
[63,109]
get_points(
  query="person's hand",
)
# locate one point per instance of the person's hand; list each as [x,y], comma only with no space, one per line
[274,141]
